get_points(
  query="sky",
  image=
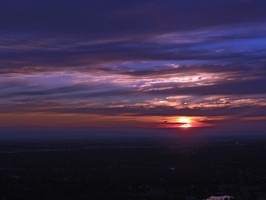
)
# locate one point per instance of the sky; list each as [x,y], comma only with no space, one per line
[171,64]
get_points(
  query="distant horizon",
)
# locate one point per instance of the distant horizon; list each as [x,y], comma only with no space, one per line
[27,133]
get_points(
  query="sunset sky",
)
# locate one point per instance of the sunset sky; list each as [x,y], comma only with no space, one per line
[180,64]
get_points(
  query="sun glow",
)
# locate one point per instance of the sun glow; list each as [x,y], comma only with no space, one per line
[185,122]
[185,126]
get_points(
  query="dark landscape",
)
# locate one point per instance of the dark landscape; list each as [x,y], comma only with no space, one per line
[135,168]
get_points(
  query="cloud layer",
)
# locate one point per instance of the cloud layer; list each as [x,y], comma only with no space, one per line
[137,63]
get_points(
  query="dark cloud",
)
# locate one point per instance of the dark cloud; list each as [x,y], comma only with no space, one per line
[232,88]
[237,69]
[98,56]
[78,91]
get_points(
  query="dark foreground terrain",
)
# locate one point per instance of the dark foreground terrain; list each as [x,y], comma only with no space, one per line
[133,169]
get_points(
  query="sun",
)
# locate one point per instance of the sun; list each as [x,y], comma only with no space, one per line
[185,122]
[185,126]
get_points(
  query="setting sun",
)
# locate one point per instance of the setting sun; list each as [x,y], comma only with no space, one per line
[185,126]
[185,122]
